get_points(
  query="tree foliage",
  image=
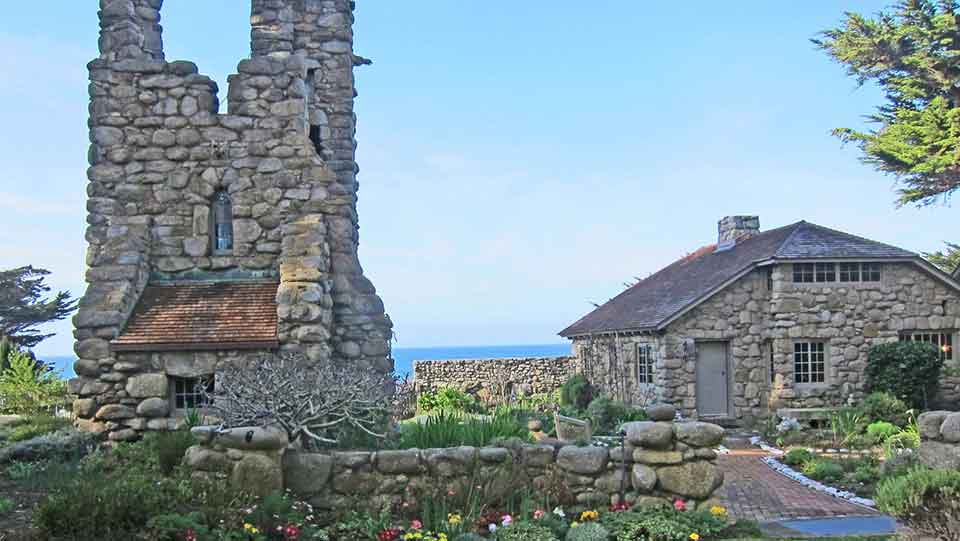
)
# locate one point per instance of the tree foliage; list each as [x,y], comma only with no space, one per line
[908,370]
[24,305]
[947,260]
[913,53]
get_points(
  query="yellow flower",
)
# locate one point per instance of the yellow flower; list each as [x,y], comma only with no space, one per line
[454,518]
[589,515]
[718,510]
[695,536]
[247,526]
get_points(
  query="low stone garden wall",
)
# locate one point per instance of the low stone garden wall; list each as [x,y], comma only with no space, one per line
[664,461]
[490,379]
[940,439]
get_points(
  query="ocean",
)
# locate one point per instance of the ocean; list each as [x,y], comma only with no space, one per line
[404,357]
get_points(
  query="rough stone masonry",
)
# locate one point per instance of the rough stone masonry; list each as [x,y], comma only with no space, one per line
[161,151]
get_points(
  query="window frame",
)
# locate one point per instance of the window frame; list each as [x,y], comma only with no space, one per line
[813,348]
[838,272]
[178,390]
[946,355]
[221,203]
[646,364]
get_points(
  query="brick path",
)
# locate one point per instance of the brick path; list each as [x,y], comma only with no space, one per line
[752,490]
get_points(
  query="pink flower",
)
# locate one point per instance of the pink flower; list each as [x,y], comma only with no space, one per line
[507,520]
[679,505]
[539,513]
[416,524]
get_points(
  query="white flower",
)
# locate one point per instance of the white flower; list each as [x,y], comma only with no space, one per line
[559,512]
[492,527]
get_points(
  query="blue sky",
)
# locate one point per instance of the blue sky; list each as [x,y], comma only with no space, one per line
[518,159]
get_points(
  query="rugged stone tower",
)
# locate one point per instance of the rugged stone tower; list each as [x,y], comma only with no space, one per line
[214,237]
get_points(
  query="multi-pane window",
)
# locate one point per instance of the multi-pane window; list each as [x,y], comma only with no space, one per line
[836,272]
[809,365]
[769,276]
[943,340]
[221,222]
[192,393]
[772,366]
[645,363]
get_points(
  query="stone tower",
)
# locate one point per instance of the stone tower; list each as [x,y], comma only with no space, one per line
[214,236]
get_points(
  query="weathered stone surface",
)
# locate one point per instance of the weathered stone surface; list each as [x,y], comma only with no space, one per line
[147,386]
[115,412]
[124,434]
[306,473]
[255,438]
[646,456]
[85,407]
[582,460]
[661,412]
[643,478]
[694,479]
[154,407]
[950,429]
[699,434]
[259,475]
[936,454]
[529,375]
[538,456]
[494,455]
[452,461]
[406,461]
[929,423]
[201,458]
[649,434]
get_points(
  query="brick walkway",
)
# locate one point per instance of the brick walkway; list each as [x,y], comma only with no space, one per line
[752,490]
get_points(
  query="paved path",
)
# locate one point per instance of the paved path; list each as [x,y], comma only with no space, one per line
[752,490]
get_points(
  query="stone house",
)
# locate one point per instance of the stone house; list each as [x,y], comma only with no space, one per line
[766,320]
[218,236]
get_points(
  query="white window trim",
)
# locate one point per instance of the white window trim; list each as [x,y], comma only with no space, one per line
[173,394]
[836,274]
[826,363]
[648,361]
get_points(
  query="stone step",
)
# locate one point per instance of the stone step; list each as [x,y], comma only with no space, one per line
[737,439]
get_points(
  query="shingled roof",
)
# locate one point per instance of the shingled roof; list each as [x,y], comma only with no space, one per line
[655,300]
[202,316]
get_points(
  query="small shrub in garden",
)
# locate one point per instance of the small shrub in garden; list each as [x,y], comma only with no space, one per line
[606,414]
[884,406]
[926,500]
[880,431]
[36,425]
[6,504]
[525,531]
[576,392]
[675,526]
[170,448]
[590,531]
[447,399]
[29,387]
[823,469]
[908,370]
[617,523]
[797,457]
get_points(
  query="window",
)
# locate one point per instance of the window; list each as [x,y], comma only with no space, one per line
[188,393]
[943,340]
[771,364]
[825,272]
[221,220]
[803,272]
[870,272]
[769,273]
[808,362]
[849,272]
[645,363]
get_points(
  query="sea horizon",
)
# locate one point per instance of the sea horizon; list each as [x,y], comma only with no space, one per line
[404,356]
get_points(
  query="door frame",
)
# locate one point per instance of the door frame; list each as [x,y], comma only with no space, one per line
[727,373]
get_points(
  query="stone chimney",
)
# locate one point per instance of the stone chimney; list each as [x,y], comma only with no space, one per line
[734,228]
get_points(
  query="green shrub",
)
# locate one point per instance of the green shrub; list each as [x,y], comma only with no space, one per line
[590,531]
[525,531]
[6,504]
[447,399]
[576,392]
[908,370]
[883,406]
[926,500]
[881,431]
[617,523]
[606,414]
[797,457]
[671,525]
[36,425]
[451,429]
[169,448]
[28,387]
[845,425]
[823,469]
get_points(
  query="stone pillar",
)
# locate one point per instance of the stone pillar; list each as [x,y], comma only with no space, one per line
[130,29]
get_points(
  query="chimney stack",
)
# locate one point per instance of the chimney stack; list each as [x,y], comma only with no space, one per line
[735,228]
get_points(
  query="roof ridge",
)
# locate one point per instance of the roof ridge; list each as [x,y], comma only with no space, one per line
[796,227]
[858,237]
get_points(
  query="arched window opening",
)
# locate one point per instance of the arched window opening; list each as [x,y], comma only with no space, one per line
[221,214]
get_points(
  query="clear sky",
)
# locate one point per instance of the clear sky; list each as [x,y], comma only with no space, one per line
[518,159]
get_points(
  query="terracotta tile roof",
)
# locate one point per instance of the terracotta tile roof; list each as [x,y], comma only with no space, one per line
[203,315]
[654,300]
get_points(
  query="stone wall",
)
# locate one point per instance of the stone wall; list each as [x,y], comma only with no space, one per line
[849,318]
[495,377]
[284,152]
[940,439]
[664,461]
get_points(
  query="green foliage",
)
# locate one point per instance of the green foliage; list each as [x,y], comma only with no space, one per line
[446,429]
[881,431]
[910,53]
[884,406]
[619,522]
[823,469]
[36,425]
[797,457]
[24,306]
[908,370]
[526,531]
[6,505]
[926,500]
[169,448]
[447,399]
[906,438]
[576,392]
[845,425]
[947,260]
[606,414]
[28,387]
[671,525]
[590,531]
[19,471]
